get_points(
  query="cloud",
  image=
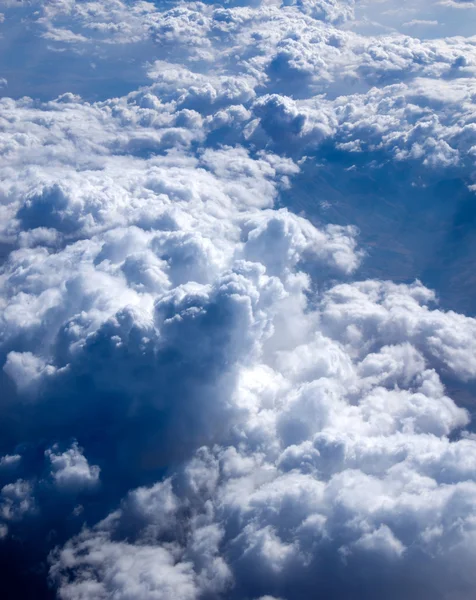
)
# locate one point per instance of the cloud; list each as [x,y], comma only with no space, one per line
[399,314]
[70,469]
[204,392]
[16,500]
[451,15]
[343,497]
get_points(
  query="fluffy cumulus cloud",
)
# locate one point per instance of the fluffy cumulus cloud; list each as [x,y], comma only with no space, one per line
[70,469]
[210,385]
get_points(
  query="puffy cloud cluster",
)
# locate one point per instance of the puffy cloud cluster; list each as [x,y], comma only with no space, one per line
[347,473]
[202,396]
[39,484]
[70,469]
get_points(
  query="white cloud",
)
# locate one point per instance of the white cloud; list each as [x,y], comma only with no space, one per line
[160,305]
[16,500]
[70,469]
[394,314]
[9,460]
[127,571]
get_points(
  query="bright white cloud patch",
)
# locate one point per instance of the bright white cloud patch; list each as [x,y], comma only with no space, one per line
[201,395]
[70,469]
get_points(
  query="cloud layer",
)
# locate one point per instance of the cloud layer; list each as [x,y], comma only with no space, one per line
[205,394]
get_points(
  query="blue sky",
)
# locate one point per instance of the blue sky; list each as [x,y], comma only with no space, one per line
[237,333]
